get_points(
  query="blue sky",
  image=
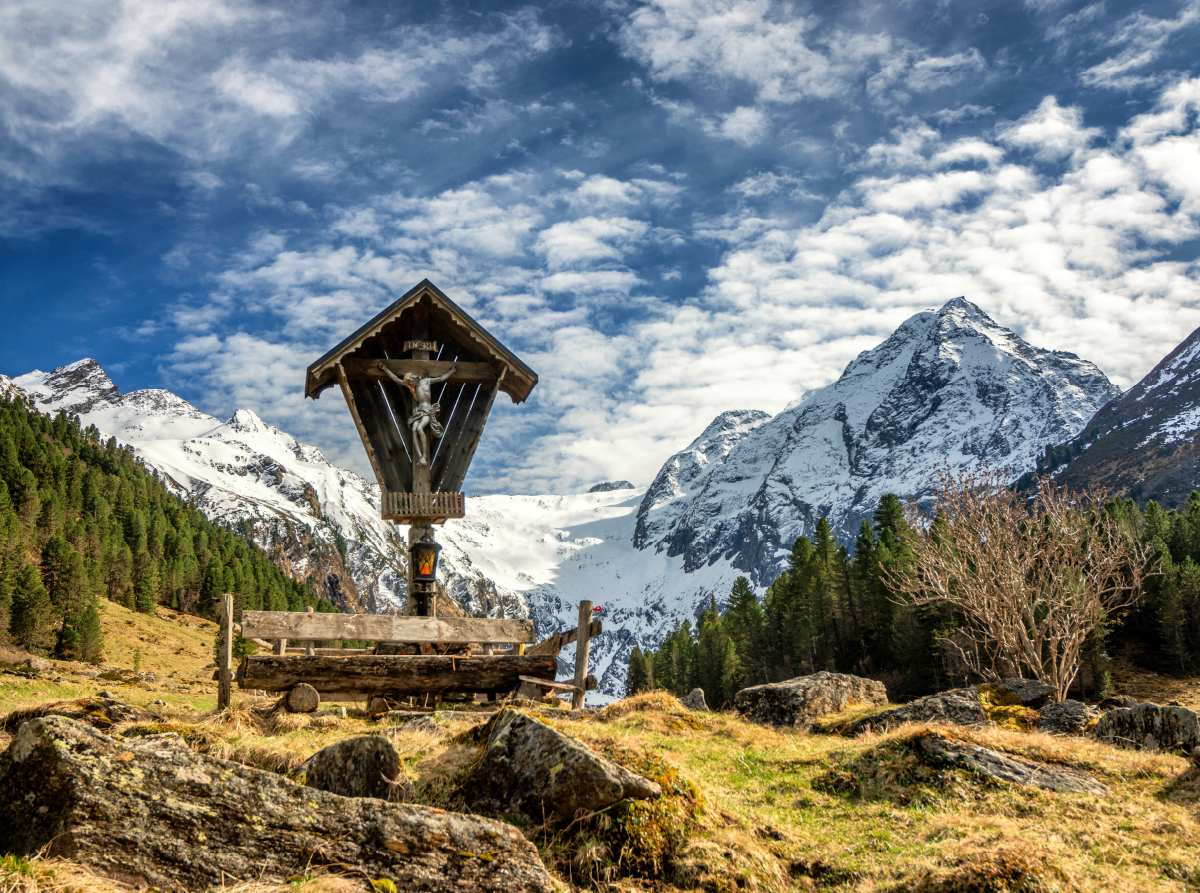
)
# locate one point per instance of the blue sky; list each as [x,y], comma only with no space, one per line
[668,209]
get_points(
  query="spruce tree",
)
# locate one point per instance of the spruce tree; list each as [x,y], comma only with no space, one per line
[638,678]
[32,612]
[90,635]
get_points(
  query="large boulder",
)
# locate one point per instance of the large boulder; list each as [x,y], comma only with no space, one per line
[357,767]
[1150,727]
[962,706]
[1066,718]
[799,702]
[149,811]
[1005,767]
[694,700]
[531,769]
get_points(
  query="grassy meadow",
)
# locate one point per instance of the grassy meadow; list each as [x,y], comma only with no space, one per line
[746,807]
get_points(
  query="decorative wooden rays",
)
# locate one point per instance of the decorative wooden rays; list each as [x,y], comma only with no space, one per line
[420,379]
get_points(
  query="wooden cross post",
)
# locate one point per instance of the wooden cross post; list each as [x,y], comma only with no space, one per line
[308,646]
[583,646]
[225,661]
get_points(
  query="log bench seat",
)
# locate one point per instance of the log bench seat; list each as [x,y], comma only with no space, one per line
[356,675]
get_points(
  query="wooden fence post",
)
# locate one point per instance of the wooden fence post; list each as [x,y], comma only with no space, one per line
[308,646]
[225,661]
[583,647]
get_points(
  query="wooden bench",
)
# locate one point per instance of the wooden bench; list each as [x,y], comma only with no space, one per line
[356,675]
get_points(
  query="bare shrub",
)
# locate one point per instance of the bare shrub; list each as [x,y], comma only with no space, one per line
[1027,579]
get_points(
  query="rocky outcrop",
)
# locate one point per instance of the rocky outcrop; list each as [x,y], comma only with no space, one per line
[152,812]
[102,711]
[962,706]
[1066,718]
[356,767]
[1150,727]
[1029,692]
[531,769]
[1005,767]
[694,700]
[799,702]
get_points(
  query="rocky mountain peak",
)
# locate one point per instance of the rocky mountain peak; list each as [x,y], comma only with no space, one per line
[949,387]
[77,388]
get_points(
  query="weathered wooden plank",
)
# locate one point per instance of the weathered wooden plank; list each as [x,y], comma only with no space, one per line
[225,664]
[465,373]
[392,676]
[385,628]
[559,641]
[583,646]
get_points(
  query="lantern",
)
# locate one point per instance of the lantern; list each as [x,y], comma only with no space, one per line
[424,560]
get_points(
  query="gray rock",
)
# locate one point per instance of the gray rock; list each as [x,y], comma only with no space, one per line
[609,486]
[1066,718]
[39,663]
[101,712]
[1015,770]
[962,706]
[798,702]
[1118,701]
[1149,727]
[356,767]
[694,700]
[1031,692]
[531,769]
[152,812]
[159,703]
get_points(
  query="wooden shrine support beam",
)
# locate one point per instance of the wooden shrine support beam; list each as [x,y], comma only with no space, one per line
[385,628]
[225,663]
[393,676]
[466,373]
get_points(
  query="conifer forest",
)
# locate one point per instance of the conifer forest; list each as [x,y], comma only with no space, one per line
[83,520]
[844,610]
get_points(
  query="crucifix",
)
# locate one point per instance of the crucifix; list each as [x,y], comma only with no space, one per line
[386,371]
[425,414]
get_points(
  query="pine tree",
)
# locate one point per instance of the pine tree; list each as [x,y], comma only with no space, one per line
[638,677]
[31,611]
[90,635]
[744,624]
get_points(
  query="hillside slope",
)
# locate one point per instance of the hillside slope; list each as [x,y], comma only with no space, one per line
[1141,445]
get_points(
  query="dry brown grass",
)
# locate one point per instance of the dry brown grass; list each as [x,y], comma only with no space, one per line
[52,875]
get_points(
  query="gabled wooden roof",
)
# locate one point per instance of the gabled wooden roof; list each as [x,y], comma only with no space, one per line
[518,379]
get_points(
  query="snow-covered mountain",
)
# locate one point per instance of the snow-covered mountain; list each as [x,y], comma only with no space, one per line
[1142,444]
[947,388]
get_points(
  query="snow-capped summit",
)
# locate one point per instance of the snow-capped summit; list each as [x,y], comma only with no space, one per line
[950,387]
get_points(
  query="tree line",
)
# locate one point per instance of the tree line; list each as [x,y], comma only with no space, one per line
[875,610]
[82,520]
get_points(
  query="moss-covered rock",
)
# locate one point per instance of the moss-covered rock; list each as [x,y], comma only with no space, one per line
[801,701]
[152,812]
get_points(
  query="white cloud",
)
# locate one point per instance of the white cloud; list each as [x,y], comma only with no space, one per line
[212,78]
[1143,39]
[1050,131]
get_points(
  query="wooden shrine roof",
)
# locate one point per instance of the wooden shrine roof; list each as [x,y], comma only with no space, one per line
[518,379]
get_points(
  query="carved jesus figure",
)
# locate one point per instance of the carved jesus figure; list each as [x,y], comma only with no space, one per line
[424,418]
